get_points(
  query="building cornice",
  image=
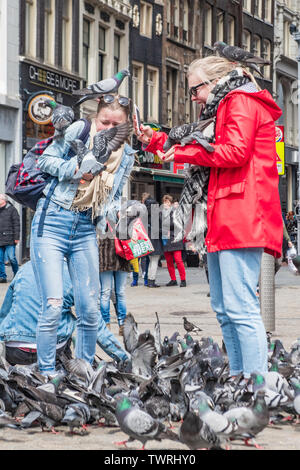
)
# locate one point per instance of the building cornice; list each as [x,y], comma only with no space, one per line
[122,8]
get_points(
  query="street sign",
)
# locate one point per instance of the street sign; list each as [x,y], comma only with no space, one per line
[280,149]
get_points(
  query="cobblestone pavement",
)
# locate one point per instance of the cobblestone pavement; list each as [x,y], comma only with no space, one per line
[171,304]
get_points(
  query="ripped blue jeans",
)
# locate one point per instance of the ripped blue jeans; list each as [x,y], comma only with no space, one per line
[70,235]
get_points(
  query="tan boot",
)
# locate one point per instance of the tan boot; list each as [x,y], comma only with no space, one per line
[121,328]
[108,325]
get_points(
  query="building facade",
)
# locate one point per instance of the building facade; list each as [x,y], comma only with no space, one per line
[285,86]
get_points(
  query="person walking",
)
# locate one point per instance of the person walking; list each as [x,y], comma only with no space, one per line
[154,233]
[172,250]
[9,236]
[243,206]
[69,231]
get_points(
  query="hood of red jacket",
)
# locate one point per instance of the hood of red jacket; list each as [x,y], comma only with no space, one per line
[266,99]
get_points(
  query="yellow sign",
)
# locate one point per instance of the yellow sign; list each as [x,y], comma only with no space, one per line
[280,157]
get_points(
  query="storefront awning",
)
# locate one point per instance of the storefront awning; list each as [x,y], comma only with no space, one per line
[161,175]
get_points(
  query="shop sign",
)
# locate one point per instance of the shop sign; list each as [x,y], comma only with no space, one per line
[50,79]
[37,111]
[280,149]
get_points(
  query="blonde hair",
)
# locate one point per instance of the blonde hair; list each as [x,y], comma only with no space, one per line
[213,68]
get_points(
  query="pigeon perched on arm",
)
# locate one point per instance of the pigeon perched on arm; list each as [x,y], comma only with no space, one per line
[62,117]
[186,134]
[108,85]
[237,54]
[105,142]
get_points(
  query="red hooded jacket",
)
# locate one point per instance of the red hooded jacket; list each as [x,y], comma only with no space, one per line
[243,208]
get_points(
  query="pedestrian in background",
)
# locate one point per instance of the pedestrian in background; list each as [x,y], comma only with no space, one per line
[172,250]
[243,205]
[9,236]
[154,222]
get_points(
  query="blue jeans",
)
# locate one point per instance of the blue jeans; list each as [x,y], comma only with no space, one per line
[233,277]
[110,280]
[73,236]
[8,252]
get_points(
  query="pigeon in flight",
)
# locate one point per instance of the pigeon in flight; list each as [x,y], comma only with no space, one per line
[62,117]
[108,85]
[190,327]
[105,142]
[237,54]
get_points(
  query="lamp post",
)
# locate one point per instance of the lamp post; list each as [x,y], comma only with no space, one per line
[296,35]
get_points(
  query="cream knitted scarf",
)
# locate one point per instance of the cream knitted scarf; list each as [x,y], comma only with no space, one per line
[93,194]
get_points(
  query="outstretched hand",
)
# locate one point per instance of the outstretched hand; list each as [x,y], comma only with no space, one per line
[144,134]
[168,156]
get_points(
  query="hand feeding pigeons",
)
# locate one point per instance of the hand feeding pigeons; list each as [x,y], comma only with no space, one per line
[105,142]
[186,134]
[237,54]
[108,85]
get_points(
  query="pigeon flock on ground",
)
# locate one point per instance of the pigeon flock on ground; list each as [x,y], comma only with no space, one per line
[175,379]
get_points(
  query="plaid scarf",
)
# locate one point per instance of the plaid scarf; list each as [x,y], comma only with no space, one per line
[190,218]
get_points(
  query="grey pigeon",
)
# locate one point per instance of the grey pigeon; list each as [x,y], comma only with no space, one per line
[81,369]
[250,420]
[104,143]
[273,398]
[139,425]
[177,133]
[108,85]
[196,434]
[237,54]
[76,415]
[216,421]
[62,117]
[190,327]
[295,383]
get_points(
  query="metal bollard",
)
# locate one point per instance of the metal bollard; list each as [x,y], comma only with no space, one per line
[267,291]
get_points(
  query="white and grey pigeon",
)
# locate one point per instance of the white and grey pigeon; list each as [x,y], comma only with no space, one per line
[62,117]
[105,142]
[216,421]
[108,85]
[295,383]
[186,134]
[76,415]
[237,54]
[196,434]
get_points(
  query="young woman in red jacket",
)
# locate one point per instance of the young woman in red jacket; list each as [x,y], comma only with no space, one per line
[243,205]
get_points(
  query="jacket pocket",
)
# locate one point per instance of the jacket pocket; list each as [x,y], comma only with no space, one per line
[235,188]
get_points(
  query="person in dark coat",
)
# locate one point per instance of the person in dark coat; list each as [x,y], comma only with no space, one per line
[172,250]
[154,233]
[9,236]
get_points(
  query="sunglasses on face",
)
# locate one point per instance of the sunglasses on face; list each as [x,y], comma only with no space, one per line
[193,90]
[122,100]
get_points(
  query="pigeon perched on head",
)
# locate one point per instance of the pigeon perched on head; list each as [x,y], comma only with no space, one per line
[62,117]
[237,54]
[104,143]
[190,327]
[108,85]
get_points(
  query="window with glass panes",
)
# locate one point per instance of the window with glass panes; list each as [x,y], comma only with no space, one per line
[117,50]
[152,85]
[85,50]
[138,86]
[208,25]
[48,31]
[146,19]
[102,51]
[231,31]
[220,26]
[267,56]
[66,37]
[29,22]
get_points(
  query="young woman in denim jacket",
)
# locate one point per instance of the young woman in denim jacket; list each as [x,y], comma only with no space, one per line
[69,232]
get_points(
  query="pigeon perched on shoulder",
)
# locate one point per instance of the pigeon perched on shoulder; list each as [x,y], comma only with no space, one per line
[108,85]
[138,424]
[62,117]
[105,142]
[237,54]
[190,327]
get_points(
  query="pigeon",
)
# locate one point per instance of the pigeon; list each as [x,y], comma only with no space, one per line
[295,383]
[104,143]
[139,425]
[62,117]
[81,369]
[237,54]
[196,434]
[273,398]
[76,415]
[250,420]
[108,85]
[190,327]
[177,133]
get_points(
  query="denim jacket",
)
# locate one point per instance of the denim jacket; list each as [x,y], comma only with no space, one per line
[21,307]
[55,162]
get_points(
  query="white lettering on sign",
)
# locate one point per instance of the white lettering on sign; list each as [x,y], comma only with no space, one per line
[52,79]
